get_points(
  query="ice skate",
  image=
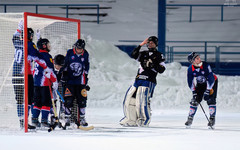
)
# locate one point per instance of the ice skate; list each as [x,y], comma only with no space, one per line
[45,124]
[30,127]
[83,122]
[211,123]
[36,123]
[189,122]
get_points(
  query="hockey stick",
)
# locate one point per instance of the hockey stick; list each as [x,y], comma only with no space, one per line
[206,115]
[52,127]
[60,96]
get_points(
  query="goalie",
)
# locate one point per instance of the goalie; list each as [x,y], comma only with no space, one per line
[136,104]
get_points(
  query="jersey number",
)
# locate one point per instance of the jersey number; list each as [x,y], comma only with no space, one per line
[18,55]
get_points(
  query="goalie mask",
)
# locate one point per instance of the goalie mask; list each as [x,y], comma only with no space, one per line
[80,44]
[59,60]
[43,44]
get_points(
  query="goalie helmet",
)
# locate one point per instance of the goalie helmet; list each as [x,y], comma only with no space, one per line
[80,44]
[59,60]
[42,44]
[154,39]
[30,33]
[192,56]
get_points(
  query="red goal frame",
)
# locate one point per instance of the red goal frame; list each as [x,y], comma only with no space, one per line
[26,14]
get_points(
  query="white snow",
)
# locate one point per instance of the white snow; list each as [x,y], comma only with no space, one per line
[112,72]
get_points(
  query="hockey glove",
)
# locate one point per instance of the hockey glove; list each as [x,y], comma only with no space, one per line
[20,25]
[87,87]
[194,95]
[55,85]
[206,95]
[38,34]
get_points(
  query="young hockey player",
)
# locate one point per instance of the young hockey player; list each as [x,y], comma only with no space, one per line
[204,88]
[77,67]
[136,103]
[59,61]
[18,69]
[42,81]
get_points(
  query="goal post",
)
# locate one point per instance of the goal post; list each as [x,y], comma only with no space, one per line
[62,34]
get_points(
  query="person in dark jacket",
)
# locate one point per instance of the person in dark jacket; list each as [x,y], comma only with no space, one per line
[136,103]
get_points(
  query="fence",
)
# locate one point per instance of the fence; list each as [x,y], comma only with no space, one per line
[62,5]
[222,55]
[203,5]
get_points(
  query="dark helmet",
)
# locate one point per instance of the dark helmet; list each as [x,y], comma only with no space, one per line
[59,60]
[41,42]
[192,56]
[154,39]
[30,33]
[80,44]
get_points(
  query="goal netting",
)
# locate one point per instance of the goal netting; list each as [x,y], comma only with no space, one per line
[62,34]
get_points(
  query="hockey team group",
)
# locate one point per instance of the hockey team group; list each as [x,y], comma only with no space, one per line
[67,78]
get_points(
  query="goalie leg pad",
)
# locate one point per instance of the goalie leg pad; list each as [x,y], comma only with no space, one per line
[130,116]
[143,106]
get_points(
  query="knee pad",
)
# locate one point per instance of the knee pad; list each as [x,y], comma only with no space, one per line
[129,110]
[143,106]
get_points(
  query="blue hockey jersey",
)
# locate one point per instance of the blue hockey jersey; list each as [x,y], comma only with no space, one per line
[202,75]
[33,55]
[77,67]
[40,78]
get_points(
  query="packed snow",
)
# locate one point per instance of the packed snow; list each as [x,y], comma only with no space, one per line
[112,72]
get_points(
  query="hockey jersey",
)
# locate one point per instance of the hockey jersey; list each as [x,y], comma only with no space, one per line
[77,67]
[157,64]
[33,55]
[41,78]
[202,75]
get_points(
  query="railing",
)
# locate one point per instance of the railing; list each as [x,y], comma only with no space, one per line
[222,55]
[203,5]
[62,5]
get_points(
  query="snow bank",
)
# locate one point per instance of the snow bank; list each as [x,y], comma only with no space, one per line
[112,72]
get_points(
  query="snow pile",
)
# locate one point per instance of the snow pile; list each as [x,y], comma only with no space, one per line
[112,72]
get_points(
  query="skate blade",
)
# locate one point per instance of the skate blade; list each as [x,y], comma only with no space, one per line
[188,127]
[211,127]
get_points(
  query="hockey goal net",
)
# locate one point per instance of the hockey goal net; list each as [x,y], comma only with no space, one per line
[62,34]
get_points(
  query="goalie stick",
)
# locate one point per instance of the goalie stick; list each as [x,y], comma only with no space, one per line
[87,128]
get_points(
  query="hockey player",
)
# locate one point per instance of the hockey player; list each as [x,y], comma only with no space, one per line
[136,103]
[204,88]
[59,61]
[42,81]
[77,67]
[18,69]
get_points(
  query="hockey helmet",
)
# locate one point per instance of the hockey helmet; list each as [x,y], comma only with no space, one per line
[192,56]
[41,42]
[59,60]
[80,44]
[154,39]
[30,33]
